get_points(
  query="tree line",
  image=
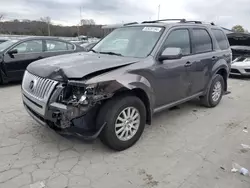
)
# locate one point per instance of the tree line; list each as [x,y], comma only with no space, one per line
[44,27]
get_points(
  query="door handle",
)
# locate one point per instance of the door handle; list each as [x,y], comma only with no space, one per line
[188,64]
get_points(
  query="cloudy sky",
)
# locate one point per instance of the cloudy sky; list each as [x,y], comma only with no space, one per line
[67,12]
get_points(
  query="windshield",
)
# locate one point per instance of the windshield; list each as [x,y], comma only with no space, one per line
[240,59]
[130,41]
[6,44]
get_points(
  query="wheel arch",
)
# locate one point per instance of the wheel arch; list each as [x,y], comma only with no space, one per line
[221,67]
[142,95]
[223,72]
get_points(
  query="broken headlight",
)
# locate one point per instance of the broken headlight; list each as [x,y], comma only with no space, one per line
[78,93]
[80,98]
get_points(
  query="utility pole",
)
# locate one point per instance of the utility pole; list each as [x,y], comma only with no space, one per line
[47,21]
[78,29]
[159,9]
[48,28]
[1,24]
[80,13]
[80,23]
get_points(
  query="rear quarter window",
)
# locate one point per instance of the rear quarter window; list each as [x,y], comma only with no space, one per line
[221,39]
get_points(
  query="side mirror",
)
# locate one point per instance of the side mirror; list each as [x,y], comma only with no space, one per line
[171,53]
[11,52]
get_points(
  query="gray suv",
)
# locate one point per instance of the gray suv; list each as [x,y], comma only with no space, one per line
[137,70]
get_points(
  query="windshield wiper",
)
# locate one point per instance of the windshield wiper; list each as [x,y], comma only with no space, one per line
[111,53]
[94,51]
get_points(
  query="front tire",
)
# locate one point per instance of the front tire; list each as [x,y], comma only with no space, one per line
[214,92]
[125,118]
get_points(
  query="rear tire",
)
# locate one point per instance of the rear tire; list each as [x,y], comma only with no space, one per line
[214,92]
[122,131]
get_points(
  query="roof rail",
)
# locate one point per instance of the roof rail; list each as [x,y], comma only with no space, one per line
[165,20]
[180,21]
[199,22]
[131,23]
[114,26]
[196,22]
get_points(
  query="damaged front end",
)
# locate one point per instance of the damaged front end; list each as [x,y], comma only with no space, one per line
[74,107]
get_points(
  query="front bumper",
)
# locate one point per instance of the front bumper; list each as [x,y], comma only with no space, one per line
[46,114]
[240,70]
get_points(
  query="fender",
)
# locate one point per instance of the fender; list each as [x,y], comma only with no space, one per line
[219,65]
[138,84]
[127,82]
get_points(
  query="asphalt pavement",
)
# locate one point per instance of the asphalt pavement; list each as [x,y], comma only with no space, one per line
[186,147]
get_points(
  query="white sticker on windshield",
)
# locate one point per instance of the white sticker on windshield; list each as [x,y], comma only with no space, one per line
[152,29]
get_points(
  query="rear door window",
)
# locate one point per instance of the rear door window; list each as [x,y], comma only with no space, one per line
[221,39]
[54,46]
[202,41]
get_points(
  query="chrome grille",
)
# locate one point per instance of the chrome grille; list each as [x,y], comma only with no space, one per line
[40,88]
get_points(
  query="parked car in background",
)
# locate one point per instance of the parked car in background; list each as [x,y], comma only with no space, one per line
[2,40]
[113,90]
[239,43]
[16,55]
[240,51]
[240,46]
[241,66]
[88,46]
[78,42]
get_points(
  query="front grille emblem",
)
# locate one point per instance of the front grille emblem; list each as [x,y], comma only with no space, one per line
[32,85]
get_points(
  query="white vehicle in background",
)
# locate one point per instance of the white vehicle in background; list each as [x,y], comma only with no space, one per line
[241,66]
[240,46]
[88,46]
[78,42]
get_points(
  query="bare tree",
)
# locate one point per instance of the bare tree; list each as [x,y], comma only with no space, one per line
[87,22]
[1,17]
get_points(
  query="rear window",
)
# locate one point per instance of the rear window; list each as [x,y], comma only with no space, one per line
[202,41]
[221,39]
[54,46]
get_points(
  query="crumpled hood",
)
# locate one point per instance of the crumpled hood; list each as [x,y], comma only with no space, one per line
[77,65]
[241,48]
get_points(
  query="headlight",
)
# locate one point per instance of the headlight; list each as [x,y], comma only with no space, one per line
[79,93]
[80,87]
[92,86]
[91,89]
